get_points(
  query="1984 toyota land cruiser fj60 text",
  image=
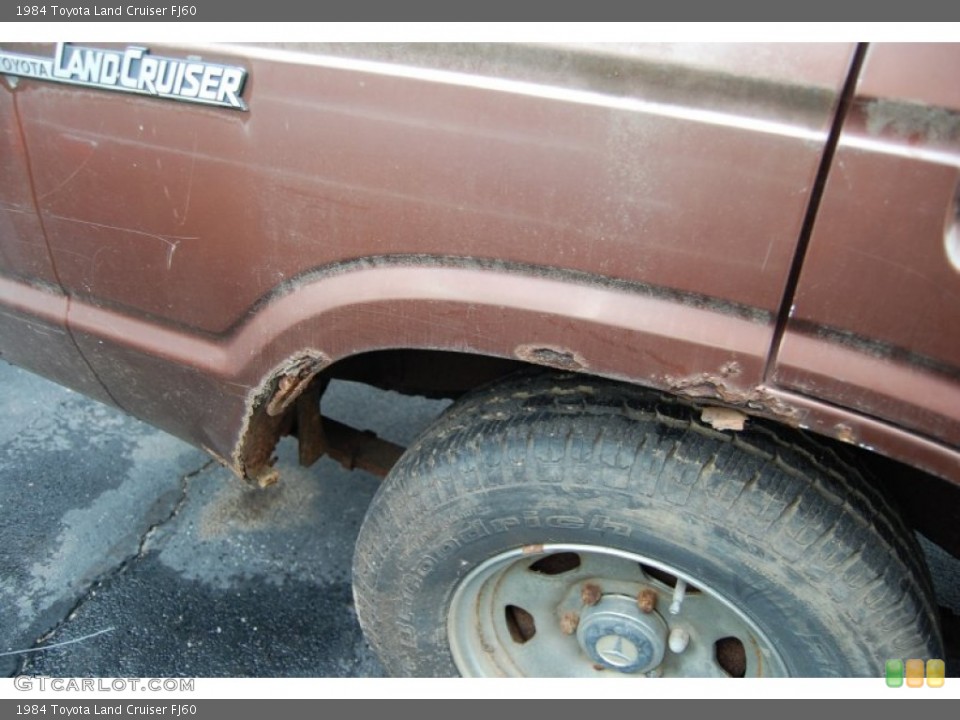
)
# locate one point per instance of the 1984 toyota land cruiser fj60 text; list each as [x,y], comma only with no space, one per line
[698,306]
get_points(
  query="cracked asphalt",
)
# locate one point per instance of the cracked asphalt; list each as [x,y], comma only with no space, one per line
[111,526]
[125,552]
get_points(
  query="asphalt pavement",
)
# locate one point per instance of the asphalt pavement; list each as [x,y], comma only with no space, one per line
[151,560]
[125,552]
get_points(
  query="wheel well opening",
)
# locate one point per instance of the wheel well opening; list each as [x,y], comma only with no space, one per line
[929,504]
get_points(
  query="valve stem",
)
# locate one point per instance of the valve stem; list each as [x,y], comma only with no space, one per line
[679,592]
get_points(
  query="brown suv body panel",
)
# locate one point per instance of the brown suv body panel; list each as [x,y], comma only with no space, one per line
[33,307]
[630,212]
[875,325]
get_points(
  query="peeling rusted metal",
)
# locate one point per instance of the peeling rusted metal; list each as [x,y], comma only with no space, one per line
[317,436]
[716,387]
[288,403]
[844,433]
[261,431]
[555,357]
[294,381]
[721,418]
[255,456]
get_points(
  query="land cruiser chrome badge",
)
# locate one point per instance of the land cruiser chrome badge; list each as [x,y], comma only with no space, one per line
[134,70]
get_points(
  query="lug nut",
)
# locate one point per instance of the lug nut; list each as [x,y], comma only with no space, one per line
[647,601]
[590,594]
[679,639]
[569,623]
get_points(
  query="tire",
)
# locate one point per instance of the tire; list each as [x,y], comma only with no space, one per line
[520,534]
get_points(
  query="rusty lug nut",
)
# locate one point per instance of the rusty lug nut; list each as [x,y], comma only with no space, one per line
[647,601]
[569,622]
[590,594]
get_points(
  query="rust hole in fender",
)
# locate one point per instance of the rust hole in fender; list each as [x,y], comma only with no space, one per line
[519,623]
[288,403]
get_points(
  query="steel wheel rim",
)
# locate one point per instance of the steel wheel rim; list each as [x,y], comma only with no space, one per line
[509,617]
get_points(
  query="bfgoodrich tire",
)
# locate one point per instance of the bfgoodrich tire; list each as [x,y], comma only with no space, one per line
[558,525]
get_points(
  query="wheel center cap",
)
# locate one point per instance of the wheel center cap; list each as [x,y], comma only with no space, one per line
[615,634]
[618,651]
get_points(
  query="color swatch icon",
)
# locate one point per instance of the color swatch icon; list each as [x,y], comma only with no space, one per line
[936,670]
[897,671]
[894,673]
[914,673]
